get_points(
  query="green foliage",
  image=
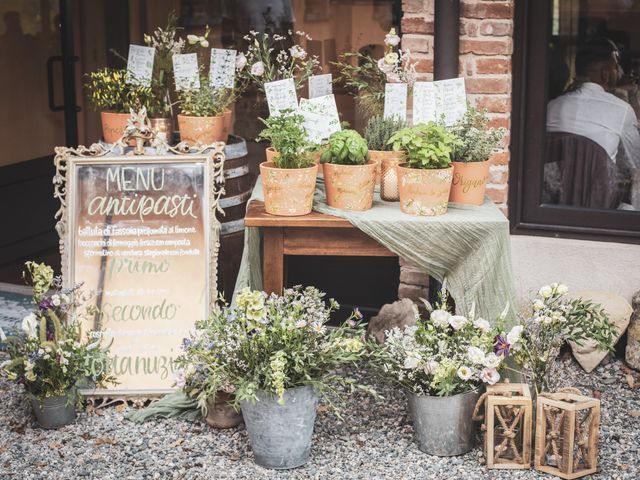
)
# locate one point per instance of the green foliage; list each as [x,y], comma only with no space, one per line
[552,320]
[205,101]
[108,90]
[346,147]
[269,343]
[379,130]
[427,145]
[477,140]
[288,137]
[49,357]
[364,80]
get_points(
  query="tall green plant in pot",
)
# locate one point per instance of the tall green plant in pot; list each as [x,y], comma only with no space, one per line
[201,118]
[349,175]
[377,134]
[425,177]
[441,363]
[470,159]
[289,174]
[49,357]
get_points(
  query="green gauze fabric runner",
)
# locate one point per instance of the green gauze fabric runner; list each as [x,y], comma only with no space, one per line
[469,246]
[172,405]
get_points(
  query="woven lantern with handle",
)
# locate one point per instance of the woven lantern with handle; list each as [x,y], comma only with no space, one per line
[507,425]
[567,428]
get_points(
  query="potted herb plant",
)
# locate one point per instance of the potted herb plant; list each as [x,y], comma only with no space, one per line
[470,158]
[377,134]
[441,363]
[553,319]
[114,97]
[201,118]
[49,357]
[349,175]
[289,174]
[277,358]
[425,177]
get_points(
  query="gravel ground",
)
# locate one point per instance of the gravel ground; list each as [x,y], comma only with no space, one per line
[374,442]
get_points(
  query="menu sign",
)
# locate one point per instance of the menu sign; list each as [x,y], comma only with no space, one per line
[139,237]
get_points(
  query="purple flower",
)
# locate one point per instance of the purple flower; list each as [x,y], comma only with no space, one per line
[357,313]
[45,304]
[186,343]
[501,346]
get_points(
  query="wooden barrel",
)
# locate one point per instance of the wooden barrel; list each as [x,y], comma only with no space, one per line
[238,186]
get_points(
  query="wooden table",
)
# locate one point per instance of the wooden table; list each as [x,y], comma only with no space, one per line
[313,234]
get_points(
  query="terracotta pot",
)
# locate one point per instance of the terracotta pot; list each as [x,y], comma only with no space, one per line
[469,182]
[220,414]
[163,125]
[113,125]
[350,187]
[288,192]
[424,191]
[228,123]
[204,130]
[272,152]
[379,156]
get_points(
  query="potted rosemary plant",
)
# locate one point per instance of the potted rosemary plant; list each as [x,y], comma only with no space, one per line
[377,134]
[349,175]
[49,358]
[441,363]
[425,176]
[289,174]
[470,158]
[201,118]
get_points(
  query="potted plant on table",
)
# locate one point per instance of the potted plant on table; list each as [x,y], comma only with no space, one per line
[470,158]
[289,174]
[377,134]
[49,358]
[349,175]
[425,177]
[441,363]
[201,118]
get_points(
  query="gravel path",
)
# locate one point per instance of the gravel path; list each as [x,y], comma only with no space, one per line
[374,442]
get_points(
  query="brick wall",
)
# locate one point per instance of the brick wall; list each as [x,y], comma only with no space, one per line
[486,44]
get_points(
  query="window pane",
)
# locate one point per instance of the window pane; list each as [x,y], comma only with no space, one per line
[592,151]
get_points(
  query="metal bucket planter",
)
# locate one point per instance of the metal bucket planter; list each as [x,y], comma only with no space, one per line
[280,435]
[55,412]
[443,425]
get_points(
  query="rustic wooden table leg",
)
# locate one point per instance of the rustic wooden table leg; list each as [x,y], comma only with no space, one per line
[273,260]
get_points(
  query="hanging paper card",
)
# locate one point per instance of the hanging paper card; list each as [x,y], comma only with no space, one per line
[450,99]
[395,101]
[140,65]
[223,68]
[325,119]
[424,107]
[320,85]
[281,95]
[185,71]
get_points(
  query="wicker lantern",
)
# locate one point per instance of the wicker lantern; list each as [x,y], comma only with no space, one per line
[567,427]
[507,425]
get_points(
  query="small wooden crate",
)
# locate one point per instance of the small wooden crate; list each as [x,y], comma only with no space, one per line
[508,421]
[567,428]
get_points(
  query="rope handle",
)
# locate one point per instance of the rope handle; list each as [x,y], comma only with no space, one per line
[573,390]
[475,417]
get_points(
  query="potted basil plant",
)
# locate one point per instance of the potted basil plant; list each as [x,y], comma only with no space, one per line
[424,179]
[349,175]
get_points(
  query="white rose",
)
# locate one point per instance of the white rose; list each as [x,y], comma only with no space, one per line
[440,318]
[547,320]
[538,305]
[475,355]
[30,325]
[391,39]
[482,325]
[562,289]
[491,360]
[257,69]
[55,300]
[490,376]
[391,58]
[464,373]
[241,61]
[431,367]
[412,360]
[545,292]
[514,335]
[457,321]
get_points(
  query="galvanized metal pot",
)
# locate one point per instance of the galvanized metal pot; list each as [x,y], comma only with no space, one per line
[55,412]
[280,435]
[443,425]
